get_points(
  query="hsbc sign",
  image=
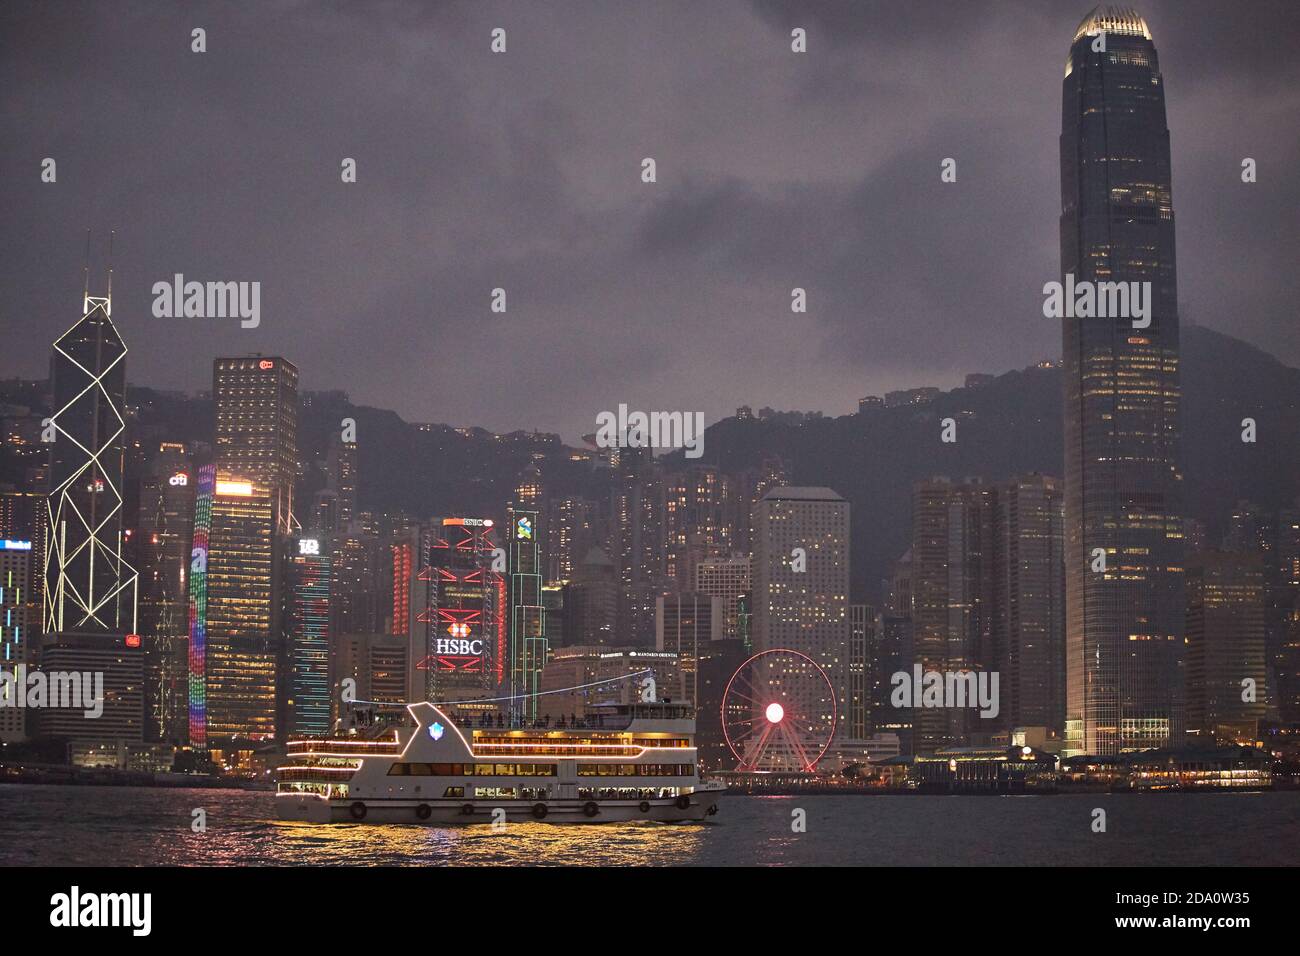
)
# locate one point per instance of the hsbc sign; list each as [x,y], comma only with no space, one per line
[451,645]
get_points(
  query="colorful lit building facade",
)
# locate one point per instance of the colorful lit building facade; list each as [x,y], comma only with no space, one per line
[527,651]
[204,489]
[15,583]
[309,573]
[465,650]
[242,597]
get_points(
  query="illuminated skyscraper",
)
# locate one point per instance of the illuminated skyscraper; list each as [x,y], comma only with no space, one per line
[1225,646]
[801,580]
[120,659]
[636,544]
[1029,603]
[341,471]
[413,585]
[695,520]
[205,480]
[748,486]
[256,403]
[307,674]
[952,595]
[1124,624]
[863,622]
[529,492]
[164,544]
[462,648]
[527,655]
[15,581]
[569,535]
[88,586]
[889,650]
[22,518]
[242,588]
[1283,640]
[359,589]
[527,568]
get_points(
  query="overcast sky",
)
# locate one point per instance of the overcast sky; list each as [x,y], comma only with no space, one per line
[522,170]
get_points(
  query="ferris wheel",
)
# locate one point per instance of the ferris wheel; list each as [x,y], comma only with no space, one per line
[778,712]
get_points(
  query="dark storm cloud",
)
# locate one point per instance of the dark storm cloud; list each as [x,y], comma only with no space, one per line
[523,171]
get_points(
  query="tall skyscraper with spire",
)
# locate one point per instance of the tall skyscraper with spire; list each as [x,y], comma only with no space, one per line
[1124,628]
[88,586]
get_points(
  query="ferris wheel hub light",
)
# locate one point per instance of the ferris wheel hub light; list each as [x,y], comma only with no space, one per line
[759,731]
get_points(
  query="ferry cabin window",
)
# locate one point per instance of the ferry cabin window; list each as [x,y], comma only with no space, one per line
[514,769]
[636,769]
[502,793]
[626,793]
[471,770]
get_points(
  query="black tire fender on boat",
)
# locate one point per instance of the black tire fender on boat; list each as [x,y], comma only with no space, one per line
[539,811]
[590,808]
[423,811]
[467,809]
[358,810]
[684,802]
[644,806]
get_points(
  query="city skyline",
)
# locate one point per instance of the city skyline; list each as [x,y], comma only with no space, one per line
[639,284]
[983,510]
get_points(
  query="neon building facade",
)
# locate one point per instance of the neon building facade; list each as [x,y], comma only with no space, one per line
[311,576]
[466,634]
[527,653]
[15,577]
[198,583]
[15,574]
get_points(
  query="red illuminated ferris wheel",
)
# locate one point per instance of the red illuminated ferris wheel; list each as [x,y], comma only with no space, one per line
[778,712]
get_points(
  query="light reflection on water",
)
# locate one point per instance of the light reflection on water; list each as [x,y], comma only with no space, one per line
[135,826]
[540,844]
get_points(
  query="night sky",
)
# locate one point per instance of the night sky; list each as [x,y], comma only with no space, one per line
[522,170]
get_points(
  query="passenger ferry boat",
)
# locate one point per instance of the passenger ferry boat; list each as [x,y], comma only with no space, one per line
[630,761]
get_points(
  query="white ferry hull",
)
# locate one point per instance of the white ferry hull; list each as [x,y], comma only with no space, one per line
[703,804]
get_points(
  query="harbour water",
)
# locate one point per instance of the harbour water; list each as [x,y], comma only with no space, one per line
[141,826]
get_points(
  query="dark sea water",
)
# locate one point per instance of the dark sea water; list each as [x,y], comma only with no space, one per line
[127,826]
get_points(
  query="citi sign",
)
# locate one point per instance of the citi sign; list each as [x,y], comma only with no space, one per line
[452,645]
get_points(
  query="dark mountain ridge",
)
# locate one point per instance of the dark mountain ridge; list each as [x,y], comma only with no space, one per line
[1009,426]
